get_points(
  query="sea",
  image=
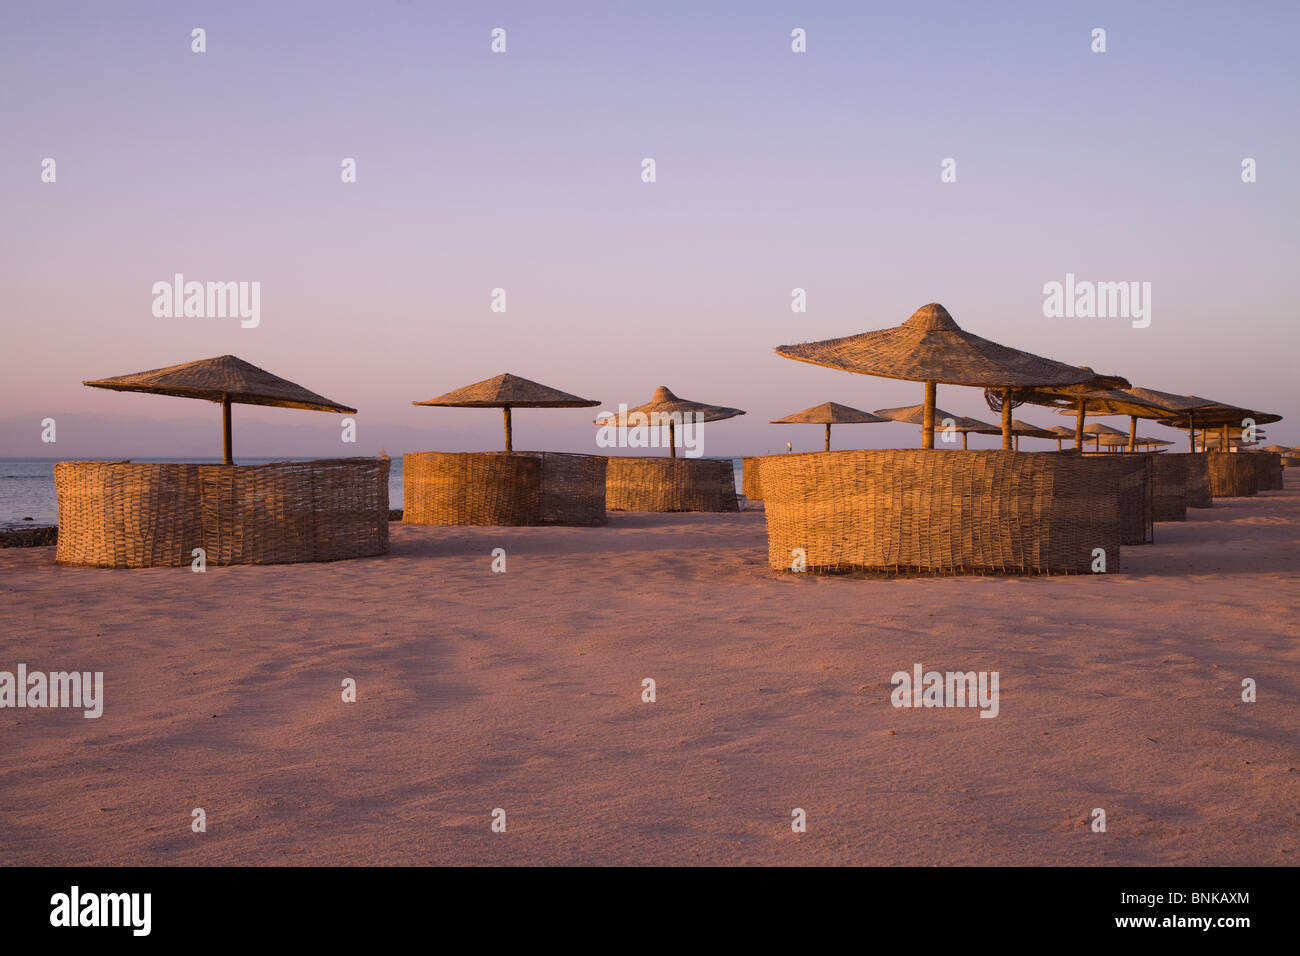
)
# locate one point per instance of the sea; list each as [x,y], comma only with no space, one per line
[27,496]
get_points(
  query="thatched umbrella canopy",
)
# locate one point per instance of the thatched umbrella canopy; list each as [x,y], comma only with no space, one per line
[505,392]
[828,414]
[1021,430]
[1097,430]
[225,379]
[1129,443]
[915,415]
[931,348]
[1103,395]
[1135,402]
[665,408]
[1212,414]
[1061,433]
[1277,449]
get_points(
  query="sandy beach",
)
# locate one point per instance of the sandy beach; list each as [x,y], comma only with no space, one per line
[522,691]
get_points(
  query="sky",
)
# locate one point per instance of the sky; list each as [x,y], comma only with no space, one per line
[522,171]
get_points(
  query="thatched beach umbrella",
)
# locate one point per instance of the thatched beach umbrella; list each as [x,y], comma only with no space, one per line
[1061,433]
[505,392]
[1134,402]
[665,408]
[1097,430]
[227,380]
[1211,414]
[1021,430]
[915,415]
[1104,395]
[828,414]
[931,348]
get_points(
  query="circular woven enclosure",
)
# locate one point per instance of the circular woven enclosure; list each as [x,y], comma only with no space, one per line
[1232,475]
[942,511]
[126,515]
[1170,487]
[1268,467]
[751,486]
[1198,477]
[670,484]
[503,488]
[1136,495]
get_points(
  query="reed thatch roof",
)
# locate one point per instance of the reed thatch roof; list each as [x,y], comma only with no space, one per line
[1122,440]
[931,347]
[508,391]
[1062,431]
[1068,396]
[1209,412]
[1026,430]
[1134,402]
[664,406]
[915,415]
[829,413]
[1097,428]
[223,377]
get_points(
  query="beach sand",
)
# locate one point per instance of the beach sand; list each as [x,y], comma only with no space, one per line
[522,691]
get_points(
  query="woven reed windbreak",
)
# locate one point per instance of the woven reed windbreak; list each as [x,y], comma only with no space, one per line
[471,488]
[1268,467]
[128,515]
[1198,477]
[503,488]
[573,488]
[947,512]
[751,486]
[670,484]
[1170,487]
[1232,475]
[1136,494]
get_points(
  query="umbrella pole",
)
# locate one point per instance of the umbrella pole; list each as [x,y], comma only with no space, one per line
[672,439]
[1078,426]
[1132,432]
[509,437]
[1191,431]
[964,436]
[828,436]
[1224,445]
[1060,446]
[927,423]
[1006,420]
[227,458]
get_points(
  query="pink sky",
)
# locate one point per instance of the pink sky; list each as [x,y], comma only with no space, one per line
[522,171]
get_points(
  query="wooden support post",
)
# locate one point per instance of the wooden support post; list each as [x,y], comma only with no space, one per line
[509,437]
[828,436]
[226,445]
[927,423]
[1007,444]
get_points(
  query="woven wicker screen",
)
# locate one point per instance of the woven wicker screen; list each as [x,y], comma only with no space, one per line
[128,515]
[1232,474]
[937,511]
[670,484]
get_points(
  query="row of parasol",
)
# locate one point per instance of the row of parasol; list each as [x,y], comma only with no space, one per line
[929,347]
